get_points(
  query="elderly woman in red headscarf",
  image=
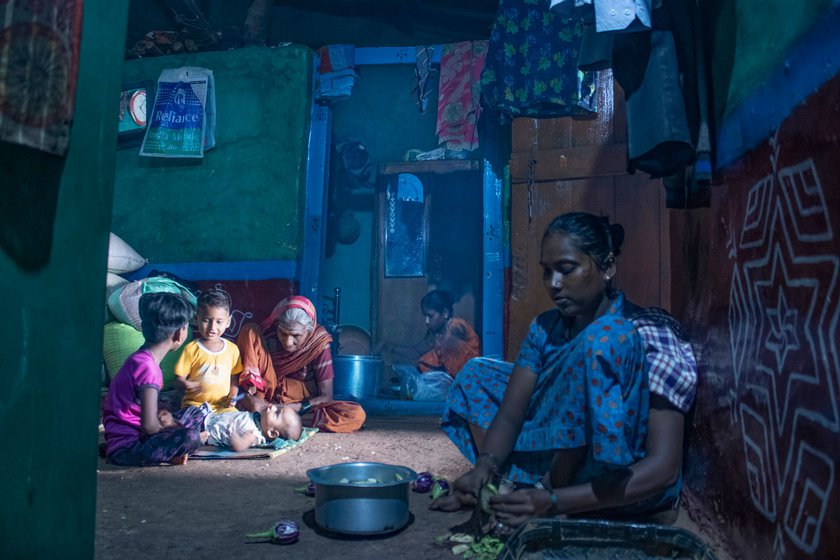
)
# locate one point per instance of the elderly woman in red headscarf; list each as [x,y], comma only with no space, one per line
[287,359]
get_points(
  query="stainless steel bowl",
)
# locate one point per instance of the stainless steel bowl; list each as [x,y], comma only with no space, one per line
[361,498]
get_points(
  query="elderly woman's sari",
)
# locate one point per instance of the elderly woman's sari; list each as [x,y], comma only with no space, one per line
[290,377]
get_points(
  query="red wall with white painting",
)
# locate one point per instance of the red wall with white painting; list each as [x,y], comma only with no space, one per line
[759,286]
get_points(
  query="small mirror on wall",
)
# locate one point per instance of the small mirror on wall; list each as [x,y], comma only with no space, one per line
[132,118]
[405,227]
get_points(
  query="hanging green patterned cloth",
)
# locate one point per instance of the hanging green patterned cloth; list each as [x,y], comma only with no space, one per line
[531,66]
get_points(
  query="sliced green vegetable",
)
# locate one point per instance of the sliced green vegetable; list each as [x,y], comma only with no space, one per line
[487,548]
[461,538]
[308,490]
[460,549]
[487,491]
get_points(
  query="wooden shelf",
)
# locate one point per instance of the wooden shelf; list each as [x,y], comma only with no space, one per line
[432,166]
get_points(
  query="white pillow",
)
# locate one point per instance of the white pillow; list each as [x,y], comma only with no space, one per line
[122,258]
[112,283]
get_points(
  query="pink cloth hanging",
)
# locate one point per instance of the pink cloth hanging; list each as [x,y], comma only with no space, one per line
[458,96]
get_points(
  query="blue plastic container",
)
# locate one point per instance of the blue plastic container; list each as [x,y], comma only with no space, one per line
[356,377]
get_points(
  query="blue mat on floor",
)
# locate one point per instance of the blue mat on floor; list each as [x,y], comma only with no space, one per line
[267,451]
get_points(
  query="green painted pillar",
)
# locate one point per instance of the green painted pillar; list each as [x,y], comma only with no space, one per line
[51,330]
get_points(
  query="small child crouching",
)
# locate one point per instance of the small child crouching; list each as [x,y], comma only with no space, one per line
[136,432]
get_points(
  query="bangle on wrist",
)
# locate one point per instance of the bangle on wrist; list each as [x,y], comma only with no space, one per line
[555,505]
[304,406]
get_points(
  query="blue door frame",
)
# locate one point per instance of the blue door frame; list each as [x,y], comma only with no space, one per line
[315,208]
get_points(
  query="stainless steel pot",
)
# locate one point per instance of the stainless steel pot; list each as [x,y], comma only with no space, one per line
[361,498]
[356,377]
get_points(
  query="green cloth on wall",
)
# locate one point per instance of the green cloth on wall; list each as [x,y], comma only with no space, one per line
[243,201]
[750,39]
[50,338]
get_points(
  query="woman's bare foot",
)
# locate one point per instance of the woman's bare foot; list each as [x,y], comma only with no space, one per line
[179,460]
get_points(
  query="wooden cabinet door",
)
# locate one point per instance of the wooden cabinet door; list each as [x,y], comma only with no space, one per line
[453,220]
[566,165]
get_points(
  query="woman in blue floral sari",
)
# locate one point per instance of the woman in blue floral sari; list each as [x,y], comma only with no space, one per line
[569,420]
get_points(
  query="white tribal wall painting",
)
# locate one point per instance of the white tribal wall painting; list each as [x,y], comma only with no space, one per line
[783,316]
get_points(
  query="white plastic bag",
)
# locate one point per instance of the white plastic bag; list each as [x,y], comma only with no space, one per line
[418,386]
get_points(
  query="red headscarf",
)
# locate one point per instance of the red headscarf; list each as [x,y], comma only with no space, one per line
[293,302]
[290,362]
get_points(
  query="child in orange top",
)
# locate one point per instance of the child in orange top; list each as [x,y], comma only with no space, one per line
[455,340]
[208,368]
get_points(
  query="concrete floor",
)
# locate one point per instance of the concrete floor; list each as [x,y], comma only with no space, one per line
[204,508]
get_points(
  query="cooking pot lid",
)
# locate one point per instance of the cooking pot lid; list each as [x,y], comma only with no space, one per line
[357,474]
[354,341]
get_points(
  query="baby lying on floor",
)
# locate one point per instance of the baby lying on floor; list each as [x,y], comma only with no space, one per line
[241,430]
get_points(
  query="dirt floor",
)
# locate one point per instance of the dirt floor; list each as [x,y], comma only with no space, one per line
[204,508]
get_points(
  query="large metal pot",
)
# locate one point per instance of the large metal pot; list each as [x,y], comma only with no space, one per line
[361,498]
[356,377]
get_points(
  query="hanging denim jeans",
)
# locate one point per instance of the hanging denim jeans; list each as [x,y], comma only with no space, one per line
[658,136]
